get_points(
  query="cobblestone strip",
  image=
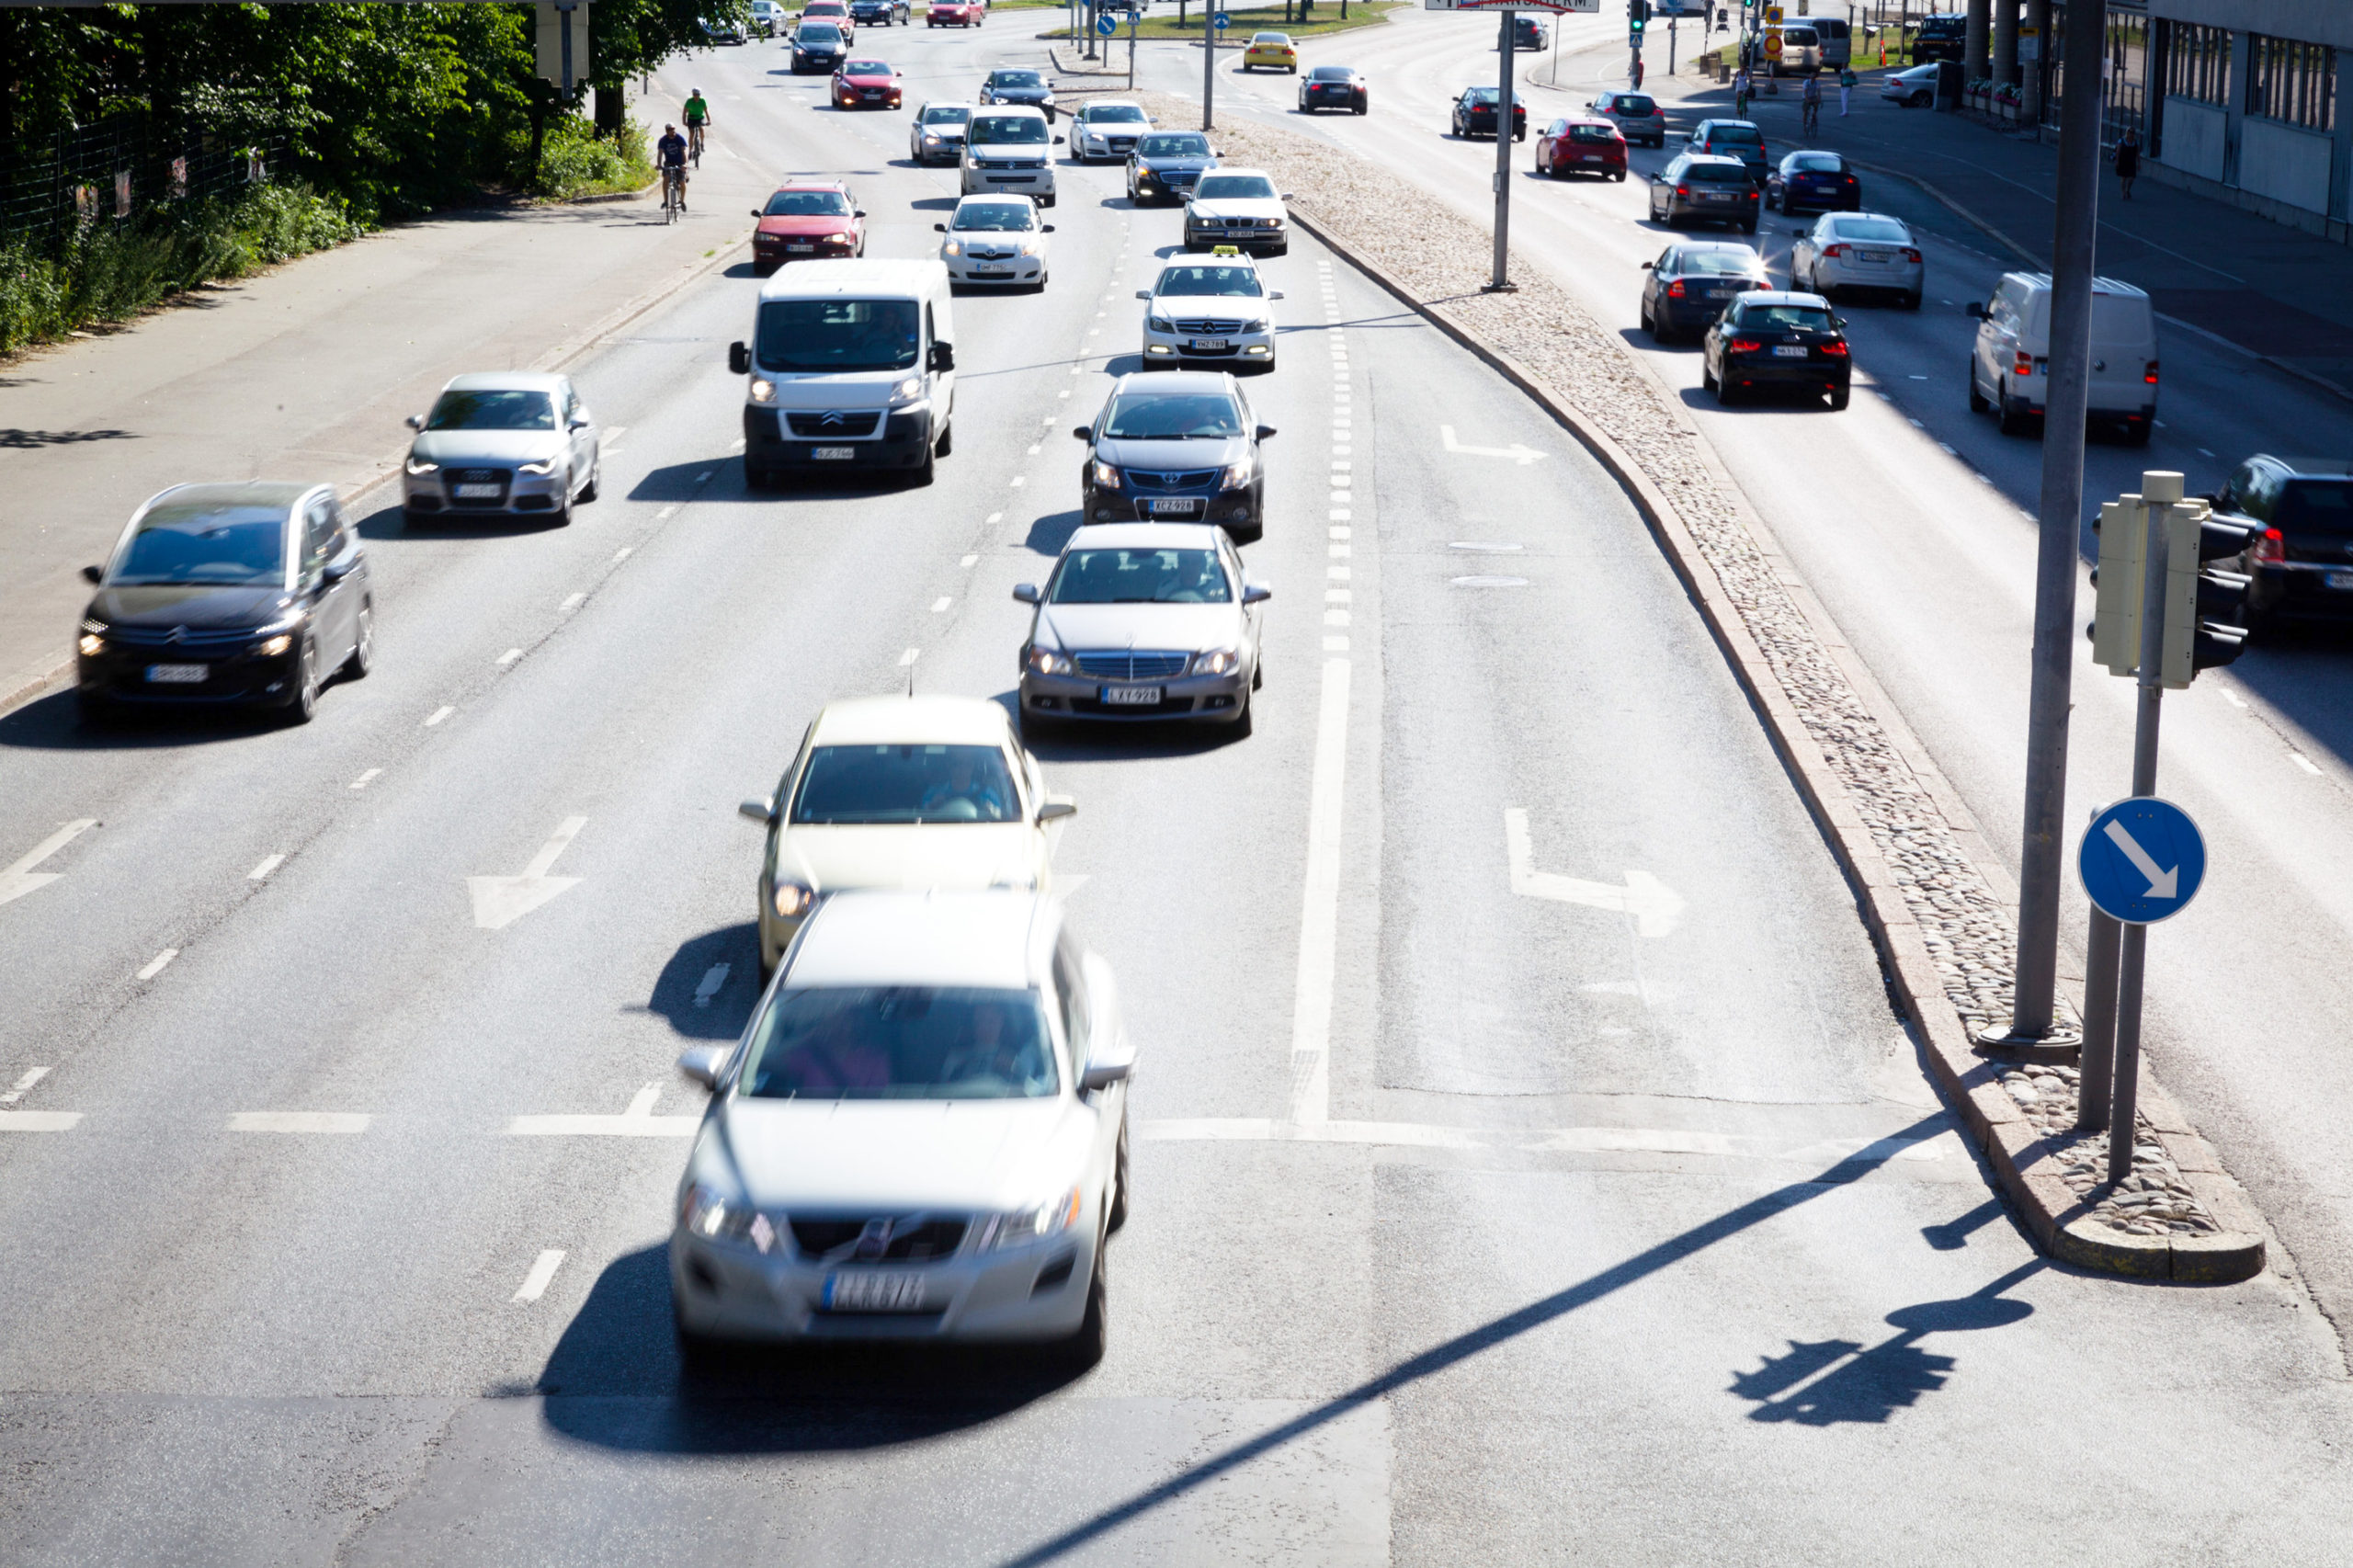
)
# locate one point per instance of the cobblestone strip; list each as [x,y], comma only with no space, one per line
[1948,938]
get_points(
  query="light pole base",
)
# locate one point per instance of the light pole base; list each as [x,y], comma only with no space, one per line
[2058,1044]
[1499,288]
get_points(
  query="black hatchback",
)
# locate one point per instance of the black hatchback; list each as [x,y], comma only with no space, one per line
[2302,560]
[249,595]
[1775,341]
[1018,86]
[1816,182]
[1475,114]
[1705,187]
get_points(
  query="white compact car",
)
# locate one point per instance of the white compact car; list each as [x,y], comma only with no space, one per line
[514,443]
[1108,130]
[1857,253]
[1009,148]
[992,240]
[1217,310]
[922,1135]
[1237,207]
[902,792]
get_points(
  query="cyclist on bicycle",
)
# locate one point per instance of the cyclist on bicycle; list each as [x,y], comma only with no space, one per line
[698,116]
[670,157]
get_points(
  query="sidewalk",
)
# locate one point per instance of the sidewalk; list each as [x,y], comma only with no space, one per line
[2211,267]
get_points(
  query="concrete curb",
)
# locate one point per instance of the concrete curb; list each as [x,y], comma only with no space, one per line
[2058,1222]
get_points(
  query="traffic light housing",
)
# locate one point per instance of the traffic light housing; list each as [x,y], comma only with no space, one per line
[1638,13]
[2204,606]
[2115,631]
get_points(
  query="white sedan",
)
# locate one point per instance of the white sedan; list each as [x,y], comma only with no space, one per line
[922,1135]
[902,792]
[1108,130]
[1915,88]
[1857,253]
[995,239]
[1214,312]
[1237,207]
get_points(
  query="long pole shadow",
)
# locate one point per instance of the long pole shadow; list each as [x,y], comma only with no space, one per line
[1486,1336]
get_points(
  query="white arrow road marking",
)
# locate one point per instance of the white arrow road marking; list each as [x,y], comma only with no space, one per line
[1654,906]
[501,901]
[1521,455]
[2161,883]
[638,1121]
[21,878]
[32,1075]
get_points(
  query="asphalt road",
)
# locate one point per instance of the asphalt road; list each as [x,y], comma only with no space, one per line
[1472,1225]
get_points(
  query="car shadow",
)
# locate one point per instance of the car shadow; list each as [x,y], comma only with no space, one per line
[1122,740]
[1756,402]
[688,997]
[615,1380]
[389,523]
[935,204]
[53,723]
[1638,338]
[743,269]
[1048,534]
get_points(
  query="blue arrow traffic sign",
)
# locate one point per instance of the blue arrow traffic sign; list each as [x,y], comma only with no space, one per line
[1107,25]
[1224,21]
[2141,860]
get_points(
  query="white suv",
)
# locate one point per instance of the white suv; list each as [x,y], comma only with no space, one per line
[1009,148]
[1209,310]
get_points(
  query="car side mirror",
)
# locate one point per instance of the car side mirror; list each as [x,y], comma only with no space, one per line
[739,359]
[758,214]
[762,811]
[704,1063]
[1289,197]
[1144,293]
[1974,307]
[580,422]
[92,575]
[1800,233]
[1839,322]
[1058,140]
[942,357]
[415,422]
[1054,811]
[940,228]
[1084,432]
[335,571]
[1025,593]
[1256,593]
[1649,266]
[1264,432]
[857,211]
[1045,228]
[1276,295]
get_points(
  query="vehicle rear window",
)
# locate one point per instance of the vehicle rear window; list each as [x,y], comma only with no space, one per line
[1633,103]
[1007,128]
[1885,230]
[1717,174]
[2316,505]
[1713,263]
[1174,147]
[1239,282]
[1802,38]
[900,1043]
[1172,416]
[492,411]
[1818,162]
[1235,187]
[1806,318]
[214,544]
[1737,135]
[1141,577]
[819,335]
[1594,133]
[808,204]
[905,783]
[1331,73]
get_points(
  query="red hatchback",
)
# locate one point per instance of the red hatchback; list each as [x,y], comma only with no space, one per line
[807,220]
[866,84]
[1581,147]
[954,13]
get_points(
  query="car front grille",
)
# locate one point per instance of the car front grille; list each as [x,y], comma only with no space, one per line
[819,427]
[1210,328]
[454,477]
[897,1239]
[181,639]
[1128,664]
[1189,478]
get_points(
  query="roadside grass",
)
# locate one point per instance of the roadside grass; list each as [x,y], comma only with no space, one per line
[1325,18]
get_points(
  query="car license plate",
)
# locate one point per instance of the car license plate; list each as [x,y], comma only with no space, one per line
[1131,697]
[832,454]
[474,492]
[1722,293]
[1716,195]
[801,246]
[1210,343]
[1593,158]
[876,1292]
[1878,255]
[1790,351]
[194,675]
[2334,580]
[1183,505]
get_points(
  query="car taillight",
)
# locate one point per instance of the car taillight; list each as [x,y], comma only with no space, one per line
[1675,290]
[1833,252]
[2152,376]
[2025,365]
[1910,255]
[1742,346]
[1683,190]
[1850,179]
[1835,350]
[2270,547]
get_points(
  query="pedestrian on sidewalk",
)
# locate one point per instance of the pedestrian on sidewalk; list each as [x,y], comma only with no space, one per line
[1846,89]
[2128,161]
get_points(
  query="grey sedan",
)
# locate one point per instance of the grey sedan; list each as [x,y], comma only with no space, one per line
[510,444]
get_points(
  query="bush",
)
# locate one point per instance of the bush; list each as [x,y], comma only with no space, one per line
[575,163]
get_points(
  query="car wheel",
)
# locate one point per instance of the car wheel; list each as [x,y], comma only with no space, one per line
[1977,404]
[1362,109]
[1620,177]
[1117,1215]
[2009,419]
[1707,375]
[304,706]
[947,436]
[925,472]
[1084,1349]
[1650,324]
[363,645]
[1538,170]
[1838,399]
[1748,227]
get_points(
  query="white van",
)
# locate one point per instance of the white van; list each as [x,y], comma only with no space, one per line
[1838,41]
[2010,366]
[852,366]
[1009,148]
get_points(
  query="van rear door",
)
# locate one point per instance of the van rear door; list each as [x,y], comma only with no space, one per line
[2124,346]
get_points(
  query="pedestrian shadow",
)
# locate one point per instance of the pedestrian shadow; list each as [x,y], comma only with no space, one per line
[693,995]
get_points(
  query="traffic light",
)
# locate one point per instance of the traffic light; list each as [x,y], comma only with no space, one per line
[1638,13]
[2204,605]
[2116,606]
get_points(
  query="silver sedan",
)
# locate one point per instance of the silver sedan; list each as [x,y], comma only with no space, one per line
[1857,253]
[1142,620]
[513,443]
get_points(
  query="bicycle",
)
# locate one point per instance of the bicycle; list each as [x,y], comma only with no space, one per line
[694,145]
[1810,116]
[674,193]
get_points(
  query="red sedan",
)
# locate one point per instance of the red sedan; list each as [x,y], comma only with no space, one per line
[955,13]
[807,220]
[1581,147]
[866,84]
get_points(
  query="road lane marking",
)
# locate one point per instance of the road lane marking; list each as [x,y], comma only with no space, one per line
[334,1121]
[535,1283]
[1520,454]
[261,872]
[2232,698]
[1019,480]
[39,1120]
[438,715]
[572,602]
[1654,906]
[366,778]
[623,553]
[509,656]
[1036,448]
[499,901]
[32,1075]
[638,1121]
[157,964]
[940,604]
[714,978]
[909,657]
[1319,918]
[21,878]
[2301,760]
[971,561]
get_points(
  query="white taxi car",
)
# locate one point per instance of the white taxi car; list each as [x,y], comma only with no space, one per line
[902,792]
[1237,207]
[1213,311]
[992,240]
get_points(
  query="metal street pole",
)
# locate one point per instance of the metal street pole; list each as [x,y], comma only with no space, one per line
[2073,242]
[1670,45]
[1209,63]
[1500,284]
[2094,1081]
[2157,509]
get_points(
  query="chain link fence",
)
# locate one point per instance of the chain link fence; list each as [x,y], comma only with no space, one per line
[121,168]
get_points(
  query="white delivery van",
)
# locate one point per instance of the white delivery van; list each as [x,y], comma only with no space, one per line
[1009,148]
[852,366]
[2010,366]
[1836,38]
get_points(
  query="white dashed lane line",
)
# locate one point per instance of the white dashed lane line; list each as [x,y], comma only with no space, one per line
[535,1283]
[157,964]
[367,778]
[268,863]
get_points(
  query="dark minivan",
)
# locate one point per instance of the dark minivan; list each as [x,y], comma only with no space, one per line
[2303,561]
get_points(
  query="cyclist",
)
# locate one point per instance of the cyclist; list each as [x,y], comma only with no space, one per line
[698,116]
[1810,102]
[1741,90]
[670,157]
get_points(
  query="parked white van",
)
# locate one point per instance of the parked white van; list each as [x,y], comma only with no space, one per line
[2009,367]
[852,366]
[1838,41]
[1009,148]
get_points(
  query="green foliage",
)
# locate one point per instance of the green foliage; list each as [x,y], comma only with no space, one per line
[577,164]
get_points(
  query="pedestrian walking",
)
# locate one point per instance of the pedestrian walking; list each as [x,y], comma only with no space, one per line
[1846,89]
[2127,162]
[1809,105]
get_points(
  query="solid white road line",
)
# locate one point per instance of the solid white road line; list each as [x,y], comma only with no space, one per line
[572,602]
[909,657]
[1543,1140]
[939,605]
[269,863]
[499,901]
[297,1121]
[535,1283]
[2301,760]
[21,878]
[2232,698]
[39,1120]
[714,978]
[363,780]
[1310,1022]
[971,561]
[32,1075]
[438,715]
[157,964]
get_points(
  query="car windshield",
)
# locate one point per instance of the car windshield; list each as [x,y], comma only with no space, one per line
[1818,162]
[900,1042]
[1017,79]
[1235,188]
[808,204]
[1810,318]
[2316,505]
[1716,174]
[996,215]
[1633,103]
[866,68]
[905,783]
[818,33]
[1174,147]
[1239,281]
[838,335]
[1141,577]
[946,116]
[492,411]
[1737,135]
[1592,134]
[1331,73]
[1115,114]
[201,542]
[1713,263]
[1885,230]
[1172,416]
[1007,128]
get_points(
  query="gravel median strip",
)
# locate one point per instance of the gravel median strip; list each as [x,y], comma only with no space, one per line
[1946,937]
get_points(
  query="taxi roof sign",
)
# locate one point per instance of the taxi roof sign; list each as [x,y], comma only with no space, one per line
[1226,250]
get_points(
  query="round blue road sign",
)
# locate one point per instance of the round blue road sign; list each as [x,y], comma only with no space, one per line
[1107,25]
[2141,860]
[1224,21]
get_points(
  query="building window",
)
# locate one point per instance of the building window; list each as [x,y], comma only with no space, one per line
[2197,64]
[2292,82]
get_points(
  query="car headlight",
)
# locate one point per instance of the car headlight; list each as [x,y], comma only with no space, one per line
[1047,661]
[1217,661]
[791,901]
[1030,248]
[953,247]
[907,394]
[92,644]
[931,140]
[1237,475]
[716,1216]
[763,390]
[1258,325]
[1105,477]
[423,465]
[1159,324]
[1024,1226]
[272,647]
[543,466]
[1270,223]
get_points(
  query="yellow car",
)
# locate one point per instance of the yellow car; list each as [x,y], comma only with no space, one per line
[1273,50]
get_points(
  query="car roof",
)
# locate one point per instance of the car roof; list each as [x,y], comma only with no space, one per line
[889,936]
[972,197]
[1113,102]
[855,275]
[1234,257]
[1782,297]
[1733,246]
[811,183]
[1173,382]
[1723,125]
[1882,217]
[2315,468]
[910,720]
[1593,120]
[2099,285]
[1143,536]
[930,104]
[504,380]
[1230,169]
[237,493]
[1691,158]
[849,65]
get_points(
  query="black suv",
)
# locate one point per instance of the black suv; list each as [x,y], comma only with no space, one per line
[1940,38]
[2303,561]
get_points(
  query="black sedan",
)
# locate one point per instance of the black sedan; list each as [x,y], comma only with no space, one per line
[1335,86]
[1165,165]
[1013,87]
[1689,285]
[1774,341]
[2301,568]
[1814,182]
[1181,446]
[818,46]
[217,596]
[1704,187]
[1475,114]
